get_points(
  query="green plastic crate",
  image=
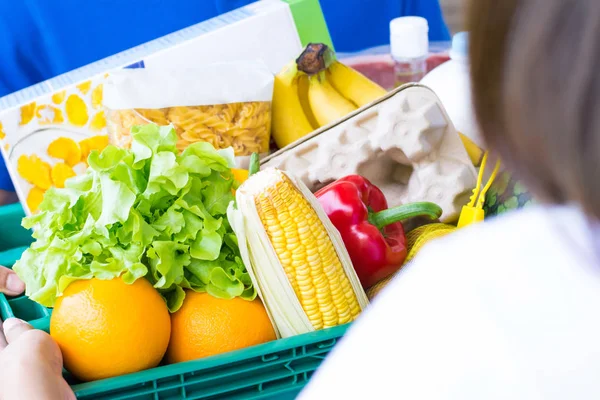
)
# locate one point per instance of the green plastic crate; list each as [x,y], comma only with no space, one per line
[12,234]
[275,370]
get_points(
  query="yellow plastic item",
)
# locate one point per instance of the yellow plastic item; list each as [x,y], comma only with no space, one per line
[415,240]
[473,212]
[65,149]
[475,152]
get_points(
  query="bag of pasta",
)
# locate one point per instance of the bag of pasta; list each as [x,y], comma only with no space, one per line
[225,104]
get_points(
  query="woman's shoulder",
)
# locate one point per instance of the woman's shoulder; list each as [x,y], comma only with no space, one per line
[479,314]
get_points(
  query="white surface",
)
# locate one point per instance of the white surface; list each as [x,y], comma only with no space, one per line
[37,143]
[220,83]
[270,35]
[502,310]
[451,82]
[409,37]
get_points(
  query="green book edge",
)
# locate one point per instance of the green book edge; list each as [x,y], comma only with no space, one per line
[310,22]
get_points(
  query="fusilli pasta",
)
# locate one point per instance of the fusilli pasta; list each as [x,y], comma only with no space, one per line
[244,126]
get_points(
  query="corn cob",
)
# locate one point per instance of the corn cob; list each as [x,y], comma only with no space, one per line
[295,256]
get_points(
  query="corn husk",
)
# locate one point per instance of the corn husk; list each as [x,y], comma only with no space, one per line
[265,268]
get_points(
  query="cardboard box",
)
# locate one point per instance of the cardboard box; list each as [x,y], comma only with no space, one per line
[70,105]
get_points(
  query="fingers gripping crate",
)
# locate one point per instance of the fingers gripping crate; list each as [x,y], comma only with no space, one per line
[275,370]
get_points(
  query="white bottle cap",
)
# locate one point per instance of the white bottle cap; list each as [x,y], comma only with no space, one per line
[460,47]
[409,37]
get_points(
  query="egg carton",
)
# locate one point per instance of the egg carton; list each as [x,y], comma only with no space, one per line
[404,143]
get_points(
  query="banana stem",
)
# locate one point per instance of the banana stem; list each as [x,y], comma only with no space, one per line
[315,58]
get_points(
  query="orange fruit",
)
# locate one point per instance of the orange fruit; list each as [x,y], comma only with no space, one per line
[107,328]
[205,326]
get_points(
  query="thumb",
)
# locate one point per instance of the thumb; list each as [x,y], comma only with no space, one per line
[10,283]
[33,344]
[31,365]
[13,328]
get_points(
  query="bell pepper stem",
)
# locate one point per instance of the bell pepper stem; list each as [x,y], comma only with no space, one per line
[254,164]
[387,217]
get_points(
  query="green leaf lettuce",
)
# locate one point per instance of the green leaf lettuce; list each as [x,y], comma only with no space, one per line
[148,212]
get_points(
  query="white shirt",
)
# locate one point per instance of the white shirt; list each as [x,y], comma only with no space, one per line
[507,309]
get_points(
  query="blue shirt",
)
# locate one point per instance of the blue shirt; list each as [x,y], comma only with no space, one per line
[40,39]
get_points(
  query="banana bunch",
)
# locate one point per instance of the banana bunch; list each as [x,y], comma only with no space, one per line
[316,90]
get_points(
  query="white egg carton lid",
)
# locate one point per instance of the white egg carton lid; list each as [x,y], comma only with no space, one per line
[404,143]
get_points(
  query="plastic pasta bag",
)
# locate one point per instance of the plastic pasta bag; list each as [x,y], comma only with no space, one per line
[226,104]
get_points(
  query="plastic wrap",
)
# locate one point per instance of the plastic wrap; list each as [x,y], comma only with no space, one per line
[377,64]
[227,105]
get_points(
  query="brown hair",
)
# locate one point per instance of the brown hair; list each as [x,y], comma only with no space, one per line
[535,74]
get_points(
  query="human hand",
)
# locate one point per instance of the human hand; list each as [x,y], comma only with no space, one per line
[30,361]
[10,283]
[30,364]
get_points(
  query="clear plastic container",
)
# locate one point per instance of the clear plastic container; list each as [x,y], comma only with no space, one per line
[377,64]
[409,70]
[409,42]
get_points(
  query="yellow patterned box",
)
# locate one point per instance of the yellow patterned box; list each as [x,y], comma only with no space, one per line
[56,133]
[47,130]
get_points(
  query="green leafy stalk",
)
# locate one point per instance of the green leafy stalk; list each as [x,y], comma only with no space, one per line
[254,164]
[148,212]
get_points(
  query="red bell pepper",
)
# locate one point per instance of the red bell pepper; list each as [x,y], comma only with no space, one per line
[372,233]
